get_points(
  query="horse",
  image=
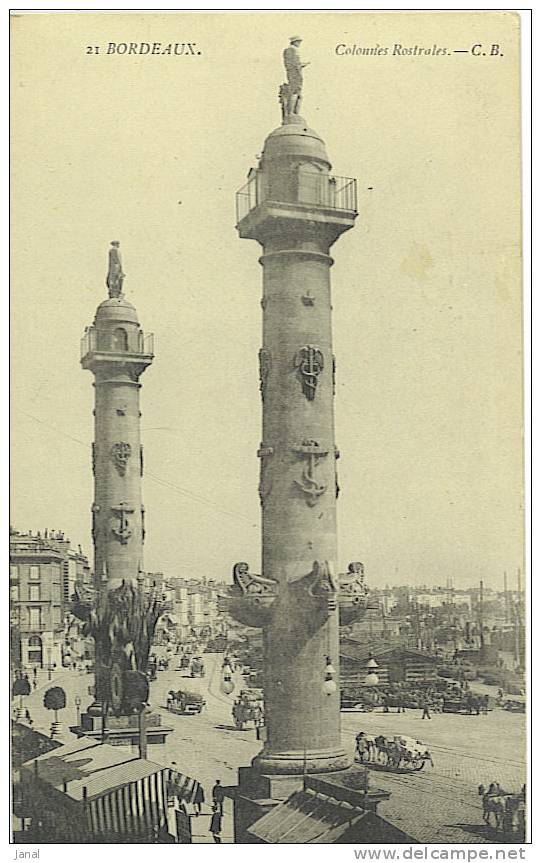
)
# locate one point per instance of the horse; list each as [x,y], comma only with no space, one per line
[381,748]
[363,746]
[494,803]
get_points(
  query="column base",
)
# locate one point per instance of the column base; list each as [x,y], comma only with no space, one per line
[299,762]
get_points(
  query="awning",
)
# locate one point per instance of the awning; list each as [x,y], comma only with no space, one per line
[182,786]
[307,817]
[87,791]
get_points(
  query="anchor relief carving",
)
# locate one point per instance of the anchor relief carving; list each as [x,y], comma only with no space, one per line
[123,531]
[311,451]
[309,364]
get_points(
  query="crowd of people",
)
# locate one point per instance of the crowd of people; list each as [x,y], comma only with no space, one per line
[428,696]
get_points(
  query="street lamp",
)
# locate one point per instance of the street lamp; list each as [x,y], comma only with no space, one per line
[227,686]
[329,683]
[77,701]
[371,678]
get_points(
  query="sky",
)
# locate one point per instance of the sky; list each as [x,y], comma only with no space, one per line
[150,150]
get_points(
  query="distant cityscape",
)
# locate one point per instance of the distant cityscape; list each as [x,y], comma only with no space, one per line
[478,624]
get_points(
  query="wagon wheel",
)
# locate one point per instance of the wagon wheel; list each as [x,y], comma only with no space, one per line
[418,763]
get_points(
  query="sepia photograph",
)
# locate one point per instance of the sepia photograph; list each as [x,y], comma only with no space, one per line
[268,579]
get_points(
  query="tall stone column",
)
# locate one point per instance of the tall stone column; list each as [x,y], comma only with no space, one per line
[298,477]
[124,614]
[296,210]
[117,360]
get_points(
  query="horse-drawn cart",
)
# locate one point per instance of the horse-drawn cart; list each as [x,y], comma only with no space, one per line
[393,752]
[248,708]
[185,703]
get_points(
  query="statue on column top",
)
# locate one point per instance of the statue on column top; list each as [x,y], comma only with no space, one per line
[291,93]
[115,275]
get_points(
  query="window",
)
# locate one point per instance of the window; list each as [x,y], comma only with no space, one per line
[14,592]
[120,339]
[34,592]
[34,572]
[14,572]
[55,592]
[35,651]
[35,618]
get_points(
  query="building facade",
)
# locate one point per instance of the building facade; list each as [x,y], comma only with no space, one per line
[43,572]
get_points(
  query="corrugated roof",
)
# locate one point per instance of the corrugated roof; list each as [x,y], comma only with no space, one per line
[97,766]
[113,777]
[306,817]
[360,652]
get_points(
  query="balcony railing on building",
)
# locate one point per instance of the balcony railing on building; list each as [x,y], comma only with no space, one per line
[94,341]
[323,191]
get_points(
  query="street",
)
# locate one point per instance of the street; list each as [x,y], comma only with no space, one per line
[440,803]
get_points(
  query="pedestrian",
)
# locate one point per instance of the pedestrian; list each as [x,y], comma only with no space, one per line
[426,711]
[198,799]
[218,796]
[216,824]
[28,717]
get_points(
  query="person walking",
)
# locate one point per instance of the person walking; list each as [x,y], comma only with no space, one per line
[218,796]
[426,711]
[199,799]
[216,824]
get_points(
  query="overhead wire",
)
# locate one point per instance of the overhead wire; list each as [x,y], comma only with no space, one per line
[153,477]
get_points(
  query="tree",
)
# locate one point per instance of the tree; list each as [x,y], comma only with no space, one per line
[55,699]
[21,687]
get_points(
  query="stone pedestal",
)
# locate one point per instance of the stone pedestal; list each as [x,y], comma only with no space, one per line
[121,730]
[258,793]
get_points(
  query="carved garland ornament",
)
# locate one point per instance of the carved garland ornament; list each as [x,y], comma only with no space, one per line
[265,480]
[120,453]
[265,362]
[95,511]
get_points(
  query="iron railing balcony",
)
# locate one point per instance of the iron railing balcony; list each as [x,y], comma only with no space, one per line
[90,343]
[328,192]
